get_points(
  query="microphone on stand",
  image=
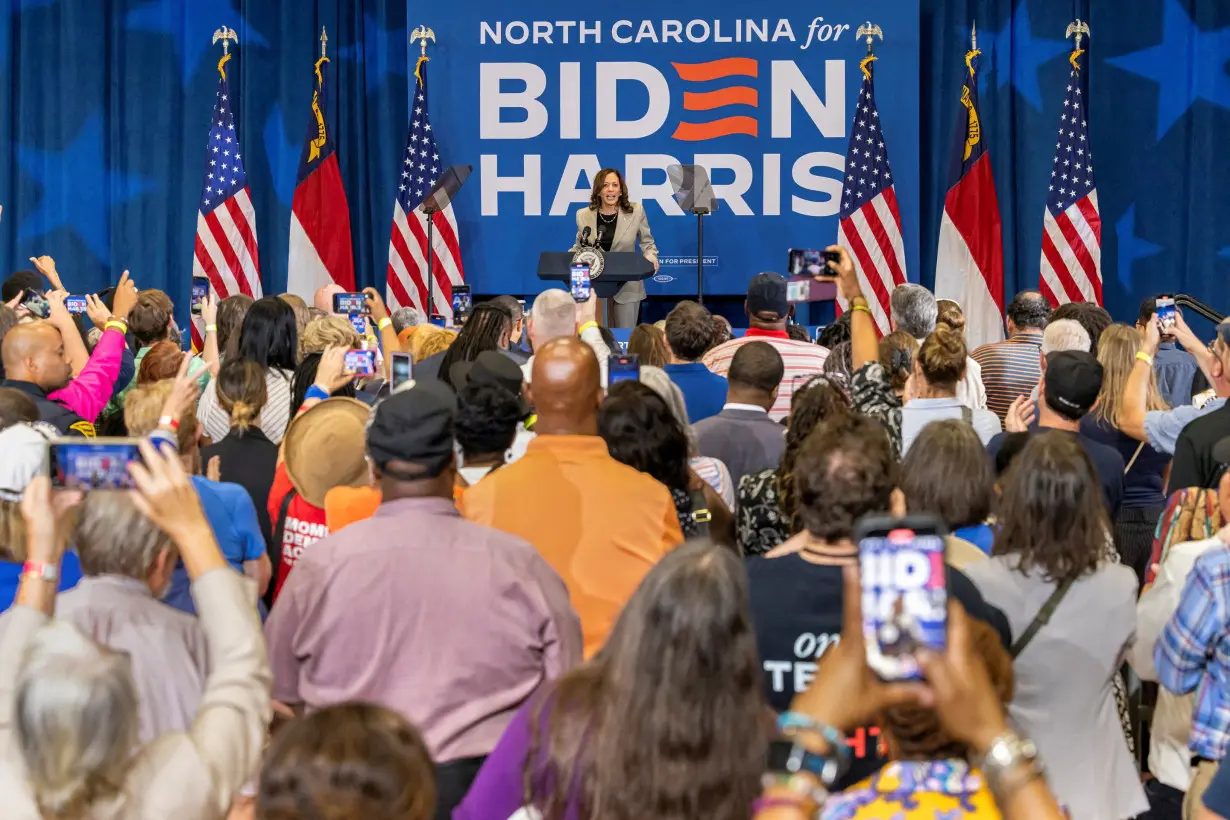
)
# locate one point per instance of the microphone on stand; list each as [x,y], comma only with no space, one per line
[585,235]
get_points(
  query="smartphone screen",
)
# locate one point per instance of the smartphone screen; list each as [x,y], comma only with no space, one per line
[200,290]
[626,367]
[349,303]
[798,290]
[76,304]
[402,368]
[101,464]
[463,303]
[34,302]
[437,319]
[1165,312]
[361,362]
[905,593]
[580,283]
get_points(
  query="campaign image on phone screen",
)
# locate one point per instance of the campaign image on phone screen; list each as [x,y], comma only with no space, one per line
[1165,312]
[34,302]
[359,322]
[623,368]
[580,282]
[200,290]
[463,302]
[905,594]
[76,304]
[101,464]
[402,368]
[362,362]
[349,303]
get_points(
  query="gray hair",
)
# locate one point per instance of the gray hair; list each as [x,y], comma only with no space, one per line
[113,537]
[553,316]
[655,379]
[1064,334]
[914,310]
[75,719]
[406,317]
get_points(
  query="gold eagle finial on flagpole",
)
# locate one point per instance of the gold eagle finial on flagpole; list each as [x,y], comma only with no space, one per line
[1081,29]
[226,35]
[870,31]
[422,34]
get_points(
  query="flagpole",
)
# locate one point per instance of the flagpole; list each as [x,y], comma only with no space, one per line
[422,34]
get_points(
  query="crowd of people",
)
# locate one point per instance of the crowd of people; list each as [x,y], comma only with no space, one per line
[507,589]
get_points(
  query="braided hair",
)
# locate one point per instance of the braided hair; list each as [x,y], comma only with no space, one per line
[486,329]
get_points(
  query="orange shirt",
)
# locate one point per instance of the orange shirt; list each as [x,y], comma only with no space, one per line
[600,524]
[346,505]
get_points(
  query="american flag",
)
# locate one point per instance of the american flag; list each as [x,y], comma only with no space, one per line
[1072,229]
[226,223]
[870,225]
[420,168]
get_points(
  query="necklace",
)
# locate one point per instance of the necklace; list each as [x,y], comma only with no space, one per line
[608,218]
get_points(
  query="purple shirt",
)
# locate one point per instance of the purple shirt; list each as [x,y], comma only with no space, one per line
[452,624]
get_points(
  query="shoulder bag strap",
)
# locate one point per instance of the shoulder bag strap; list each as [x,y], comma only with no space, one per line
[280,525]
[1040,620]
[1135,455]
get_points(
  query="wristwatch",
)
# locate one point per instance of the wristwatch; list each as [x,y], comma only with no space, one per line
[1011,762]
[41,570]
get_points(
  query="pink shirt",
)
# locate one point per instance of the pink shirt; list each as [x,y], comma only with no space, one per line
[452,624]
[802,359]
[90,390]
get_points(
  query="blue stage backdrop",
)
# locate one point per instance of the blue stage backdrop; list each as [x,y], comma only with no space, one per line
[105,106]
[539,96]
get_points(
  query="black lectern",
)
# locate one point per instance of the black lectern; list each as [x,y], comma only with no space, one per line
[626,266]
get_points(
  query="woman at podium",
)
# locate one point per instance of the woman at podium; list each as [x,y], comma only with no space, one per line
[615,224]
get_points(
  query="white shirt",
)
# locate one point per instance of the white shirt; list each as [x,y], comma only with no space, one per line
[735,405]
[1169,755]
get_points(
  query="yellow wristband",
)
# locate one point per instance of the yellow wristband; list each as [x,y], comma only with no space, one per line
[586,327]
[211,328]
[116,324]
[1145,357]
[860,307]
[383,323]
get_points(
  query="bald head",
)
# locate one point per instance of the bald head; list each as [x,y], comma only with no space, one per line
[34,352]
[566,388]
[554,316]
[324,297]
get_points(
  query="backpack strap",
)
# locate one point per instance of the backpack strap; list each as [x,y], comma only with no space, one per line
[1040,620]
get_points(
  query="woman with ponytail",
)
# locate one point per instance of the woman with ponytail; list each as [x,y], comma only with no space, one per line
[245,455]
[931,393]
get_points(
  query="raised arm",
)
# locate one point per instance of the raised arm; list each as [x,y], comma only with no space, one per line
[1134,402]
[209,317]
[864,342]
[388,334]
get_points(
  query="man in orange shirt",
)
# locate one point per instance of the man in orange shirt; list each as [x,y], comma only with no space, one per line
[600,524]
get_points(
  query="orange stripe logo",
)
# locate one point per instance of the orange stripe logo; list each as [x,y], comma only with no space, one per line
[720,98]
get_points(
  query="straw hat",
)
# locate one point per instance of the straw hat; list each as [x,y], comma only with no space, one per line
[326,448]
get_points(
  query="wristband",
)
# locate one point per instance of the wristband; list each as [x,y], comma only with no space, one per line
[586,327]
[1145,357]
[116,324]
[41,570]
[383,323]
[315,392]
[160,437]
[169,421]
[211,328]
[792,724]
[860,307]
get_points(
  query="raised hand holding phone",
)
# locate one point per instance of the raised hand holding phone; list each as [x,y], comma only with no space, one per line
[125,298]
[332,373]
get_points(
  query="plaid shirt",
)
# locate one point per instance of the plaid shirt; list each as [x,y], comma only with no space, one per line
[1193,652]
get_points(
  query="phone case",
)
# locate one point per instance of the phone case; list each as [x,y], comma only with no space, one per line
[905,592]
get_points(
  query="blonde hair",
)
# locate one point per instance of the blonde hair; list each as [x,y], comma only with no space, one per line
[324,332]
[1117,351]
[12,532]
[429,340]
[941,357]
[75,720]
[143,408]
[242,391]
[113,537]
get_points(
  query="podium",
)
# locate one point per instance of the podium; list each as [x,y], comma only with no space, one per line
[621,267]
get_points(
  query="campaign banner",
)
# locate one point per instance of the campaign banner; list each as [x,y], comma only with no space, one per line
[538,97]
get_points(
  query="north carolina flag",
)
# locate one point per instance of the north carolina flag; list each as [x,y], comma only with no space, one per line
[320,250]
[969,267]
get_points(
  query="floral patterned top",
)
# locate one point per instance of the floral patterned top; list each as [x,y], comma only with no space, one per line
[683,510]
[872,395]
[916,790]
[759,523]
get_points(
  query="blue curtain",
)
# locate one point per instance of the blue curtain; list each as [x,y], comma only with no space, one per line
[105,107]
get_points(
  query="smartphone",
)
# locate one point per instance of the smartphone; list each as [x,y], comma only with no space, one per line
[402,368]
[97,464]
[905,592]
[811,262]
[76,304]
[623,368]
[463,303]
[521,302]
[806,289]
[437,319]
[1165,310]
[580,283]
[35,302]
[359,322]
[200,291]
[361,362]
[350,303]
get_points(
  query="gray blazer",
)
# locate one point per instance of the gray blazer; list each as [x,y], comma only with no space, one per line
[746,441]
[628,228]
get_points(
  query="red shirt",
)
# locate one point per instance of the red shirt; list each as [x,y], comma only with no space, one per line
[305,525]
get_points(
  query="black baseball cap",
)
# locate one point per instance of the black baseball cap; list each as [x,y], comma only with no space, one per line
[490,367]
[767,294]
[1073,381]
[414,426]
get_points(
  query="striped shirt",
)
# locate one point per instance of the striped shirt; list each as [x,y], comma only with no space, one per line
[1010,368]
[275,415]
[801,359]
